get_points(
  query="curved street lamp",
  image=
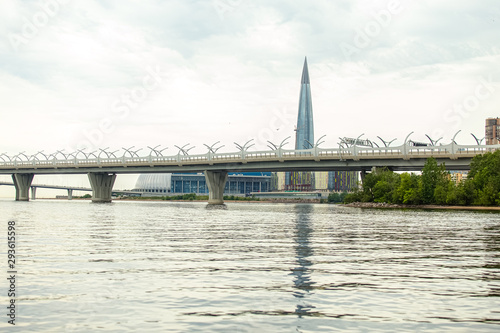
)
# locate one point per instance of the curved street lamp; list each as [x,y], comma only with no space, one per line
[92,153]
[81,151]
[17,157]
[156,151]
[357,139]
[316,145]
[2,157]
[344,142]
[386,143]
[211,148]
[107,153]
[453,140]
[183,149]
[59,152]
[281,145]
[433,143]
[406,139]
[131,152]
[35,156]
[477,140]
[244,147]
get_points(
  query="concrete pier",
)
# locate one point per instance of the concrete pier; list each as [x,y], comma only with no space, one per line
[362,175]
[70,194]
[102,186]
[22,182]
[33,193]
[216,180]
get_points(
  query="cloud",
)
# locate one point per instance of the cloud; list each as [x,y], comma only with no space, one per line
[228,66]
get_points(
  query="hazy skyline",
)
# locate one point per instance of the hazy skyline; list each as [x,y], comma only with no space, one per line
[116,74]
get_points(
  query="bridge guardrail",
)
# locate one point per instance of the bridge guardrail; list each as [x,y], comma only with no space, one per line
[451,150]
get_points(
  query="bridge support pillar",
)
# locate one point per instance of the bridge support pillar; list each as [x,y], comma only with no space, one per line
[102,185]
[70,194]
[33,192]
[22,183]
[362,176]
[216,181]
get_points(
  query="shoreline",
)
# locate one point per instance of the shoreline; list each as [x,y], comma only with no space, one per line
[364,205]
[293,201]
[384,205]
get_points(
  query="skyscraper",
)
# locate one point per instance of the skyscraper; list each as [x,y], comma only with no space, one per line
[304,136]
[323,181]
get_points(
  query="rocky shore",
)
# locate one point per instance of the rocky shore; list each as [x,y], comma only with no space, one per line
[398,206]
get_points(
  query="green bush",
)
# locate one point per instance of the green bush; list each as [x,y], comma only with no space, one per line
[336,197]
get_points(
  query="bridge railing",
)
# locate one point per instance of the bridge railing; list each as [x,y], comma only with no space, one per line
[162,159]
[405,151]
[227,156]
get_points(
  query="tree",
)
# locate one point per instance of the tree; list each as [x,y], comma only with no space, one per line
[485,178]
[434,175]
[408,191]
[354,196]
[441,194]
[336,197]
[379,185]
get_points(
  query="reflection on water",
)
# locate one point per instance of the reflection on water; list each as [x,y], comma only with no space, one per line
[492,259]
[303,250]
[254,267]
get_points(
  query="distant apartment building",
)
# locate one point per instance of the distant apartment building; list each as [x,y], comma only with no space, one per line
[458,176]
[324,181]
[492,131]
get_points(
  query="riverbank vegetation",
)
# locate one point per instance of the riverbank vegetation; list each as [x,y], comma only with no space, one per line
[434,186]
[336,197]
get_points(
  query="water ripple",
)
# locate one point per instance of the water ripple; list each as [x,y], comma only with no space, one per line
[158,266]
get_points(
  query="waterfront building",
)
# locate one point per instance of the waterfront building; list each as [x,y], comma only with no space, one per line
[321,181]
[278,181]
[342,181]
[492,131]
[163,184]
[324,181]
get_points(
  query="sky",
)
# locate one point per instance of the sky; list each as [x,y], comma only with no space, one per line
[83,74]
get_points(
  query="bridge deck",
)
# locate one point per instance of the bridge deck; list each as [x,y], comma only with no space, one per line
[402,158]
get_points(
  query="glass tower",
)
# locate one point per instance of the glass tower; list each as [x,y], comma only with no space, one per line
[304,136]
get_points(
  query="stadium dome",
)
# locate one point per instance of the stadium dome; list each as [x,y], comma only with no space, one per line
[154,182]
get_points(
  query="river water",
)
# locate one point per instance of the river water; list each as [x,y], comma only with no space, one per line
[253,267]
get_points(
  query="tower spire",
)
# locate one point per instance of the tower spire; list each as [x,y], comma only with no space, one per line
[305,73]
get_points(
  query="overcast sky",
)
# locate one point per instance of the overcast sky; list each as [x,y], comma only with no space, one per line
[96,74]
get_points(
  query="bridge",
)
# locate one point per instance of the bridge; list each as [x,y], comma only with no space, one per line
[103,167]
[70,189]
